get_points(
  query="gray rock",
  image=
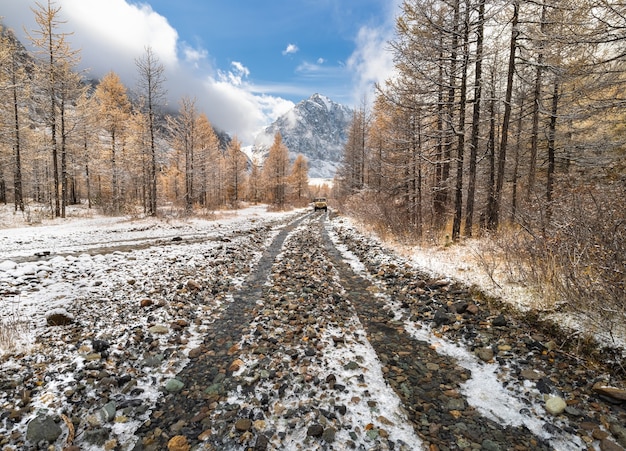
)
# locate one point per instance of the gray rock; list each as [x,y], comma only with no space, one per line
[441,317]
[573,412]
[153,361]
[329,435]
[107,413]
[489,445]
[499,321]
[174,385]
[243,424]
[96,437]
[315,430]
[485,354]
[456,404]
[100,345]
[158,329]
[43,428]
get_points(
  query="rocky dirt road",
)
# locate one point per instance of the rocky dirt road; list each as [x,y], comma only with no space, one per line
[325,342]
[313,355]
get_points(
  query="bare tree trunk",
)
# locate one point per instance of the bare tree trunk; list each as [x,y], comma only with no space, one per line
[114,187]
[17,172]
[478,83]
[460,151]
[516,158]
[551,149]
[450,132]
[494,220]
[491,153]
[63,157]
[151,82]
[534,137]
[439,196]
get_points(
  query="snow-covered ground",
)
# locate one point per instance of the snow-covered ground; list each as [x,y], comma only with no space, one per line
[100,271]
[476,262]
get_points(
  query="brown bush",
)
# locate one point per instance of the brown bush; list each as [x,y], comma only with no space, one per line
[580,259]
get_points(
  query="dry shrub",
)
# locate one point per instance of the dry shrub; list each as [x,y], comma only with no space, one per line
[12,327]
[580,259]
[379,212]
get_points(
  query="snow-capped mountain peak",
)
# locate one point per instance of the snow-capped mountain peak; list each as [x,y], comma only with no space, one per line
[316,127]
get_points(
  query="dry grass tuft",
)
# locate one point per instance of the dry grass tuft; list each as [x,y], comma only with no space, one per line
[12,328]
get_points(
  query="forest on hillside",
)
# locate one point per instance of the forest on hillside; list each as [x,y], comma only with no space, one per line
[65,140]
[505,120]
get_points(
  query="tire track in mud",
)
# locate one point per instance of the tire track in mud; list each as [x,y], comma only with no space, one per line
[427,383]
[204,378]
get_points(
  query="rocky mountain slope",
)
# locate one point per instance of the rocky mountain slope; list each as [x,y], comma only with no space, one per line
[317,128]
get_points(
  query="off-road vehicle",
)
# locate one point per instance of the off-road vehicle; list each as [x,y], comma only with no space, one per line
[319,203]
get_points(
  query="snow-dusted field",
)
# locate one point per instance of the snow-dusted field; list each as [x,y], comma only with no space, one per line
[129,290]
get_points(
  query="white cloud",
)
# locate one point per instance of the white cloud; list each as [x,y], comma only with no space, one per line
[372,62]
[125,27]
[291,48]
[113,33]
[321,61]
[194,56]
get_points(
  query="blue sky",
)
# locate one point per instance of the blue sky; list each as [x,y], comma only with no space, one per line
[245,61]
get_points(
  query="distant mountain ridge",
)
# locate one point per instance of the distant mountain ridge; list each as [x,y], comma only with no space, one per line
[317,128]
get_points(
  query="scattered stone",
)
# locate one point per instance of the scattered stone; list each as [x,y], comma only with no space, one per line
[609,445]
[178,443]
[573,411]
[243,424]
[329,435]
[555,405]
[619,432]
[97,436]
[174,385]
[485,354]
[489,445]
[441,317]
[499,321]
[460,307]
[107,412]
[43,428]
[193,285]
[145,303]
[530,374]
[315,430]
[158,329]
[611,392]
[196,352]
[262,442]
[100,345]
[235,365]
